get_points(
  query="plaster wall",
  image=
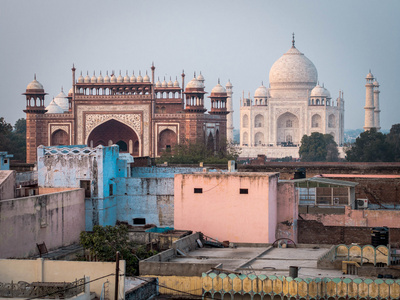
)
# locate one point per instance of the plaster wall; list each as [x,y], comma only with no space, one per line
[7,184]
[56,219]
[358,218]
[162,172]
[149,198]
[41,270]
[287,208]
[221,211]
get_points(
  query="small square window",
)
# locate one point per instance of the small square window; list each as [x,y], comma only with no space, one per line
[5,161]
[244,191]
[139,221]
[198,190]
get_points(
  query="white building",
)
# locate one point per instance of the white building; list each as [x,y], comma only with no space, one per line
[275,120]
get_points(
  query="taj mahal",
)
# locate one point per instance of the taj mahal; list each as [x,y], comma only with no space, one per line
[295,104]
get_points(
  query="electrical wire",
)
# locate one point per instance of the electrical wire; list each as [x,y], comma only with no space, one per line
[44,295]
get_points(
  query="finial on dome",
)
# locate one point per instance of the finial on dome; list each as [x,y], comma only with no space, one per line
[34,76]
[218,79]
[293,40]
[262,82]
[62,90]
[194,73]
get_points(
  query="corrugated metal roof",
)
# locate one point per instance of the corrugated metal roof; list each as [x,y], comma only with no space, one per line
[318,181]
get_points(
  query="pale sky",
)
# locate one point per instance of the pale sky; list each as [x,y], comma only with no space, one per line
[236,40]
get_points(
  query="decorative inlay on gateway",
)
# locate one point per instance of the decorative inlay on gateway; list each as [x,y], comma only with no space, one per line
[132,120]
[59,127]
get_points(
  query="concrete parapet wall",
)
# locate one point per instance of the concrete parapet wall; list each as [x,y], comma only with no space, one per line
[187,243]
[7,184]
[41,270]
[227,286]
[56,219]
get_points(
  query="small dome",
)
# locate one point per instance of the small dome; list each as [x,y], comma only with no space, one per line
[218,89]
[133,78]
[62,101]
[200,77]
[120,79]
[176,83]
[320,91]
[113,78]
[229,84]
[261,92]
[53,108]
[158,83]
[87,78]
[127,78]
[34,85]
[146,78]
[100,79]
[170,83]
[70,91]
[376,83]
[107,78]
[80,78]
[139,78]
[93,79]
[369,75]
[164,83]
[194,84]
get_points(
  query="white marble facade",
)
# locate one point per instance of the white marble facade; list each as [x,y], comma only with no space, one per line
[276,118]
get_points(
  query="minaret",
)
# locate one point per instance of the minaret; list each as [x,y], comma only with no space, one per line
[369,103]
[376,104]
[229,117]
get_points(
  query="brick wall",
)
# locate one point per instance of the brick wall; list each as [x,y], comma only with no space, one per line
[314,232]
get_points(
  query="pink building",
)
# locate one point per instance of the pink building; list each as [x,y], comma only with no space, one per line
[238,207]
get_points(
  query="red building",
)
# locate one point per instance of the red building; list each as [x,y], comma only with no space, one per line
[140,115]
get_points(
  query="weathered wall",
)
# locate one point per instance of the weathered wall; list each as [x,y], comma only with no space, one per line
[362,217]
[7,184]
[57,219]
[144,291]
[287,208]
[269,287]
[314,232]
[162,172]
[287,169]
[41,270]
[149,198]
[221,212]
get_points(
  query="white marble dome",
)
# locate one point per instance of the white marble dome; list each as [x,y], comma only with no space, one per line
[218,89]
[158,83]
[34,85]
[127,78]
[261,92]
[100,79]
[53,108]
[176,83]
[146,78]
[164,83]
[170,83]
[93,79]
[87,78]
[194,84]
[229,84]
[139,78]
[133,78]
[320,91]
[369,76]
[80,78]
[293,68]
[107,78]
[62,101]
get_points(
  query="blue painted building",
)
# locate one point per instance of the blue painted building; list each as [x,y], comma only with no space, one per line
[5,160]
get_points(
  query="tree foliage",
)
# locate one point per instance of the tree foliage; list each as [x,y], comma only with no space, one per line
[193,153]
[318,147]
[374,146]
[13,140]
[104,242]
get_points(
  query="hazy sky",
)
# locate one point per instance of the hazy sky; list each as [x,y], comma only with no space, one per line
[236,40]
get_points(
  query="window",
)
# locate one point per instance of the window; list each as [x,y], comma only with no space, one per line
[85,184]
[244,191]
[5,161]
[139,221]
[198,190]
[111,190]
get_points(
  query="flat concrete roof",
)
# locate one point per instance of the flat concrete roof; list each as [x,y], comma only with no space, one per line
[265,260]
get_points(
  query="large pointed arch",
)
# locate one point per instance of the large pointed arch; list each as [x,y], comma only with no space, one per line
[167,139]
[287,129]
[59,137]
[117,132]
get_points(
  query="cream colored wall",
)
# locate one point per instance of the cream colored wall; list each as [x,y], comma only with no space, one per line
[58,271]
[221,212]
[173,285]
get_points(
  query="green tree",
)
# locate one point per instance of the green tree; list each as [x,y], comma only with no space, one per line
[5,135]
[193,153]
[393,139]
[370,146]
[104,242]
[318,147]
[18,140]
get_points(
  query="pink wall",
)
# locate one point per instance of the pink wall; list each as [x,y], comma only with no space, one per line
[288,203]
[221,212]
[57,219]
[362,218]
